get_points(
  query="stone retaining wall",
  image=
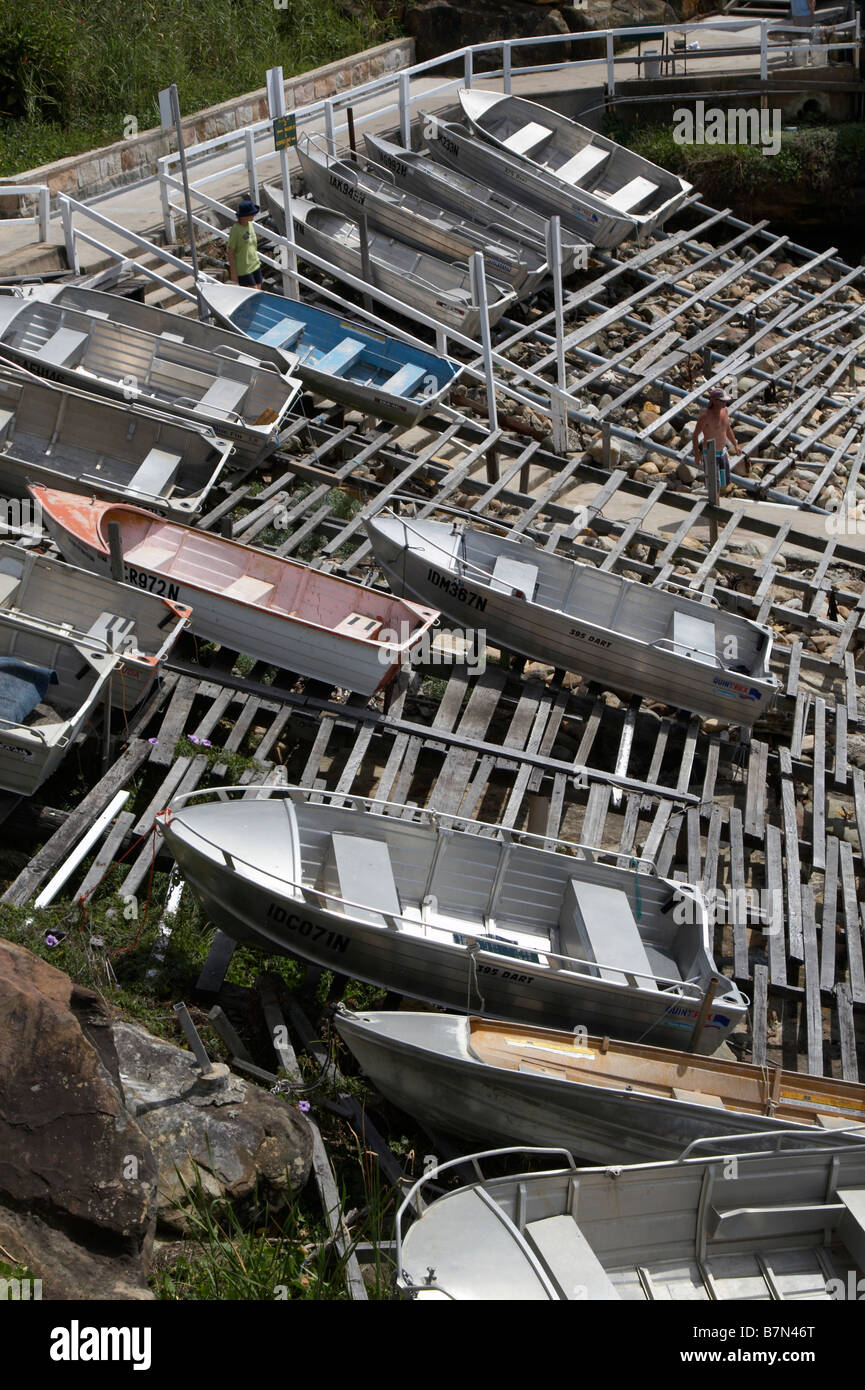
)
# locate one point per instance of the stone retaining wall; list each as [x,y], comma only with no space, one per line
[83,176]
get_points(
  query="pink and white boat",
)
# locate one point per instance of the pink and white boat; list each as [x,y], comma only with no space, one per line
[274,609]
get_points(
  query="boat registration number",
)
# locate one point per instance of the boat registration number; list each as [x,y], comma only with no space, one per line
[153,583]
[457,590]
[328,940]
[589,637]
[512,975]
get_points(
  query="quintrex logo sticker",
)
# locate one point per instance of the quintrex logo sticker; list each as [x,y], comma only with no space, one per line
[733,688]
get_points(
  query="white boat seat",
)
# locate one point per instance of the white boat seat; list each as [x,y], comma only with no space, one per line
[248,589]
[8,586]
[6,418]
[223,397]
[582,163]
[358,625]
[151,555]
[282,334]
[631,195]
[63,345]
[596,925]
[527,138]
[663,963]
[569,1260]
[693,637]
[852,1227]
[769,1222]
[365,875]
[156,474]
[113,629]
[340,358]
[514,576]
[10,308]
[404,382]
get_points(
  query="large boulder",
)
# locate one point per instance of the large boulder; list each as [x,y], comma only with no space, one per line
[77,1178]
[238,1142]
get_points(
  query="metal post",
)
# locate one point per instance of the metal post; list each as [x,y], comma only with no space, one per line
[172,105]
[352,138]
[703,1014]
[192,1037]
[330,129]
[764,50]
[168,227]
[506,66]
[479,295]
[69,236]
[107,758]
[405,109]
[366,264]
[115,551]
[252,173]
[276,106]
[554,265]
[44,212]
[712,485]
[611,66]
[469,68]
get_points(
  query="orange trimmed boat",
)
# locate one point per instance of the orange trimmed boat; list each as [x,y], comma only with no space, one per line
[274,609]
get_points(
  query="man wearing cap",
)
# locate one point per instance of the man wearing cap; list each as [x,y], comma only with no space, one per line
[714,423]
[244,263]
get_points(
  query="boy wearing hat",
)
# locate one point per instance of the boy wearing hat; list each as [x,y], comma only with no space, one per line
[244,263]
[714,423]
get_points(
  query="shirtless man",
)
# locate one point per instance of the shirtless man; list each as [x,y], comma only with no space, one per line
[714,423]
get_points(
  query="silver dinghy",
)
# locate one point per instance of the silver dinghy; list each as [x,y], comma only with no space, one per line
[355,188]
[606,1101]
[783,1225]
[653,641]
[242,399]
[440,289]
[572,164]
[58,436]
[414,902]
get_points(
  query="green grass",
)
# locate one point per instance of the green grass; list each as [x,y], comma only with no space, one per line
[74,74]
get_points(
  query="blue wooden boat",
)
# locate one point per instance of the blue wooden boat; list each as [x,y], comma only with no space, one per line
[338,358]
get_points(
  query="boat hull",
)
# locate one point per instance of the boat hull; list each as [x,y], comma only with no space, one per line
[445,974]
[573,644]
[431,1074]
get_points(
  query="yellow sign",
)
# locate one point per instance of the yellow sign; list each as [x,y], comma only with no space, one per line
[284,132]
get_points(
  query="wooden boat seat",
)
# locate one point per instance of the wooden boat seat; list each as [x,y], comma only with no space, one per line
[283,334]
[527,138]
[514,576]
[698,1097]
[582,163]
[156,474]
[358,625]
[340,358]
[64,345]
[629,197]
[248,589]
[693,637]
[223,397]
[404,382]
[568,1259]
[364,874]
[852,1226]
[596,925]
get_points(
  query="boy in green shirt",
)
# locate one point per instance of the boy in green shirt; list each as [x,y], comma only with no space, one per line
[244,262]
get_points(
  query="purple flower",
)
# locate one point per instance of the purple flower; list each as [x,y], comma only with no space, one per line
[153,742]
[303,1106]
[205,743]
[193,739]
[52,941]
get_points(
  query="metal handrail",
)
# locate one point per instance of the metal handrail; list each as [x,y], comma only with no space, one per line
[8,190]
